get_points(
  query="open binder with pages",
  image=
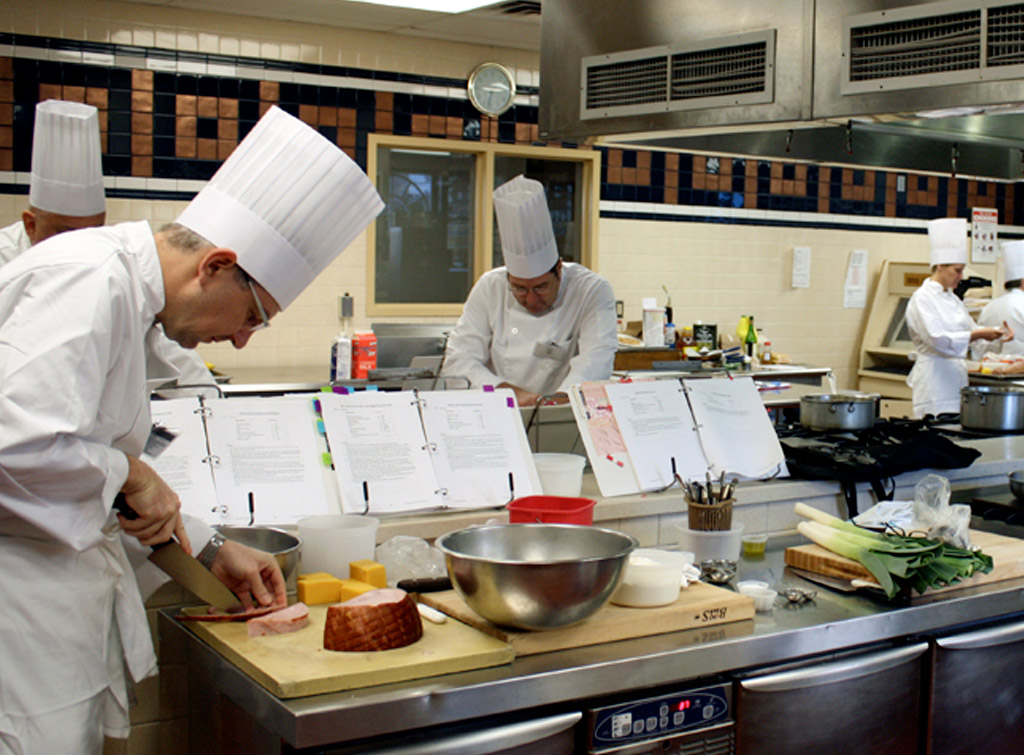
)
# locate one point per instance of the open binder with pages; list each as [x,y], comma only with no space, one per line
[639,434]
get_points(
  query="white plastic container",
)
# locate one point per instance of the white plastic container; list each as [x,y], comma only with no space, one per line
[707,544]
[764,597]
[651,578]
[333,541]
[560,474]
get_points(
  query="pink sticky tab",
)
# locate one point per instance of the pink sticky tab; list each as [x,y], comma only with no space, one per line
[488,389]
[511,402]
[609,457]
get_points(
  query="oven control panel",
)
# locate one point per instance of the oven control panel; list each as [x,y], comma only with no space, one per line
[655,717]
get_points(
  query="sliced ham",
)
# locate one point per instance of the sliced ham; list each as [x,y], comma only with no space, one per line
[376,620]
[290,619]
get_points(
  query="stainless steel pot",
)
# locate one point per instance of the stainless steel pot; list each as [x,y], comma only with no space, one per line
[996,408]
[838,411]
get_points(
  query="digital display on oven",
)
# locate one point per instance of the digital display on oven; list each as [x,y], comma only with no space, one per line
[654,717]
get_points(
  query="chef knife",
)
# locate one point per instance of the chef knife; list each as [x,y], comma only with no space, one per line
[183,568]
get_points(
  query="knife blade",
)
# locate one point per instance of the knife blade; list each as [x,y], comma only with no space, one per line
[183,568]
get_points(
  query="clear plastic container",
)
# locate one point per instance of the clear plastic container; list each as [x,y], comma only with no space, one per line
[710,544]
[560,474]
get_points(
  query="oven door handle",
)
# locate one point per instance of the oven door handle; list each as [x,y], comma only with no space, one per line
[826,672]
[1003,634]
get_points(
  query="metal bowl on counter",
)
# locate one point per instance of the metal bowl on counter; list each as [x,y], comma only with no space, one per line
[996,408]
[838,411]
[283,545]
[1017,485]
[535,576]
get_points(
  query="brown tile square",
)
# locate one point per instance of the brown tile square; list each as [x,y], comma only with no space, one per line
[185,126]
[6,137]
[788,187]
[6,90]
[73,94]
[823,205]
[933,183]
[420,124]
[869,180]
[800,172]
[890,195]
[206,107]
[890,209]
[453,127]
[615,158]
[142,166]
[891,180]
[186,104]
[643,176]
[49,92]
[264,107]
[227,129]
[643,159]
[270,91]
[750,200]
[700,164]
[227,107]
[142,102]
[7,68]
[750,185]
[776,170]
[385,101]
[350,151]
[307,114]
[912,196]
[672,179]
[614,175]
[103,142]
[847,177]
[327,116]
[206,149]
[142,123]
[522,133]
[671,196]
[629,176]
[7,114]
[347,138]
[933,198]
[225,147]
[347,117]
[6,159]
[142,144]
[724,166]
[774,185]
[384,122]
[824,176]
[96,97]
[142,80]
[699,180]
[672,161]
[185,146]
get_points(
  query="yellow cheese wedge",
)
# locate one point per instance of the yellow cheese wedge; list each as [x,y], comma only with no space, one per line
[369,571]
[319,589]
[352,587]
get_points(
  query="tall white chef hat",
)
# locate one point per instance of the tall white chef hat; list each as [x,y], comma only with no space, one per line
[527,238]
[67,169]
[287,202]
[948,239]
[1013,260]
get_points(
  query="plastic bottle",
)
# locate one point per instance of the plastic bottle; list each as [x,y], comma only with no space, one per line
[766,353]
[670,335]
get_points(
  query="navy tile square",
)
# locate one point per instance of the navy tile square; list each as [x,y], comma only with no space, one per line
[117,165]
[248,89]
[164,125]
[330,133]
[95,76]
[248,110]
[629,158]
[187,84]
[402,124]
[165,82]
[119,121]
[327,97]
[119,100]
[858,178]
[73,74]
[165,103]
[206,128]
[309,94]
[120,78]
[119,144]
[207,87]
[788,172]
[289,93]
[163,146]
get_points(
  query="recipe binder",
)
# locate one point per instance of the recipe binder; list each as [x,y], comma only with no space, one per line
[639,434]
[243,460]
[412,450]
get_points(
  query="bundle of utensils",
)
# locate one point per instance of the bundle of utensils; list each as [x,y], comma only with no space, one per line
[711,492]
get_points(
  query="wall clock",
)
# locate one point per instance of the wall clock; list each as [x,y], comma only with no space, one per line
[491,89]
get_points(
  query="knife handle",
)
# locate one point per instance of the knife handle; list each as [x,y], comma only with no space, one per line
[122,507]
[428,584]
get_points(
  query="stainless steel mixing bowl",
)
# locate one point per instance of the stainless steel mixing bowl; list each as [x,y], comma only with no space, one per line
[283,545]
[535,576]
[1017,485]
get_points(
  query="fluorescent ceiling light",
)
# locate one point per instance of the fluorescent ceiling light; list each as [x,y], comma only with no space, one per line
[439,6]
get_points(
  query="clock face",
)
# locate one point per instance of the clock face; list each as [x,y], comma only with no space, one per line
[491,89]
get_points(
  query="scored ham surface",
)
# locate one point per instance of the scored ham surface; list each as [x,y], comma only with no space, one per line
[376,620]
[290,619]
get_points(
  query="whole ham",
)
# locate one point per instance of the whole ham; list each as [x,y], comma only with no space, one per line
[290,619]
[376,620]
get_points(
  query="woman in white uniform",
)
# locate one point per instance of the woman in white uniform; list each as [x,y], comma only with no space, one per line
[940,325]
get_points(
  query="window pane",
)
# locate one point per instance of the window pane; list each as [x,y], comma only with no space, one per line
[424,244]
[561,181]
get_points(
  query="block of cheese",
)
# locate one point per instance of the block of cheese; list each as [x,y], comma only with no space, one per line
[350,588]
[368,571]
[314,575]
[316,589]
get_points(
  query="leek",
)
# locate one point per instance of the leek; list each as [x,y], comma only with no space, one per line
[896,562]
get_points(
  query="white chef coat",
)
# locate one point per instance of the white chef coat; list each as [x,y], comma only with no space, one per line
[940,327]
[73,401]
[13,241]
[498,340]
[1007,308]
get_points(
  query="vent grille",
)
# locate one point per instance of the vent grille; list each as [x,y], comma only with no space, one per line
[520,7]
[713,73]
[894,49]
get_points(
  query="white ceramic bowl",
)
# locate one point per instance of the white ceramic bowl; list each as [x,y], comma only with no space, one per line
[651,578]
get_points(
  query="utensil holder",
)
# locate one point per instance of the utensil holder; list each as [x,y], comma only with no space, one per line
[703,516]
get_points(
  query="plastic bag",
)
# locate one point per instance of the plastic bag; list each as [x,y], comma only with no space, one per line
[932,511]
[406,557]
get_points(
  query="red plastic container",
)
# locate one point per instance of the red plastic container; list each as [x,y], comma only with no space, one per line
[551,509]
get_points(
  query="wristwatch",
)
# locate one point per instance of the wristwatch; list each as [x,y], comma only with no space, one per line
[211,549]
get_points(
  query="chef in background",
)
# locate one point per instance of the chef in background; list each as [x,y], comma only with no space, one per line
[74,413]
[940,325]
[1008,309]
[66,194]
[538,324]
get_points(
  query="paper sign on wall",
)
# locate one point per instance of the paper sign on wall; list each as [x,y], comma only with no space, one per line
[855,292]
[984,234]
[801,267]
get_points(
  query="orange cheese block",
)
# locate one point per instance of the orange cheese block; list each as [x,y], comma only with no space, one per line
[368,571]
[316,589]
[350,588]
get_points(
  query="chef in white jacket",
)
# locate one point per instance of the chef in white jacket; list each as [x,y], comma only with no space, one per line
[537,325]
[1009,308]
[940,325]
[66,194]
[74,413]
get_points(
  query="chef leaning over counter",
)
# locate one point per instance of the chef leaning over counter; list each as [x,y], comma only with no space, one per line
[940,325]
[74,409]
[66,194]
[1009,308]
[538,324]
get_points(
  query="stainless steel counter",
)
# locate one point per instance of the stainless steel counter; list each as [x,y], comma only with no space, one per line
[560,680]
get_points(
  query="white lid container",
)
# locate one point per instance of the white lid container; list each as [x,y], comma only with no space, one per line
[651,578]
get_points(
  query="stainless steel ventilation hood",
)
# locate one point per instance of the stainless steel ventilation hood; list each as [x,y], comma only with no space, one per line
[921,86]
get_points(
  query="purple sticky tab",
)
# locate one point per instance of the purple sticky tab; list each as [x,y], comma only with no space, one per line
[316,406]
[488,389]
[511,402]
[340,389]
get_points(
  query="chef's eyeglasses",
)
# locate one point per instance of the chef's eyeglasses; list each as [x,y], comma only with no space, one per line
[259,306]
[539,290]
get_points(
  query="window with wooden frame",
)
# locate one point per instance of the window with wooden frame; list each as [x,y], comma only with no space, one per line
[437,233]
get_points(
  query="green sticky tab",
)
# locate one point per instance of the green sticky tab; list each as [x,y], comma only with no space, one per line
[325,389]
[328,461]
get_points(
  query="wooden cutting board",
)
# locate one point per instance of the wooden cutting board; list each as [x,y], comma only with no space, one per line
[1007,562]
[699,605]
[296,664]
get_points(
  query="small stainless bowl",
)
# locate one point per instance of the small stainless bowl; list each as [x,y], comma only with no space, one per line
[1017,485]
[283,545]
[717,571]
[535,576]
